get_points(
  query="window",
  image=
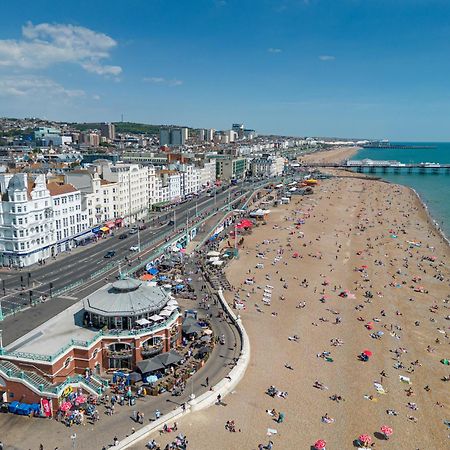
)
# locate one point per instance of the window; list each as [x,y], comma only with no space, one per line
[20,221]
[22,246]
[19,209]
[67,362]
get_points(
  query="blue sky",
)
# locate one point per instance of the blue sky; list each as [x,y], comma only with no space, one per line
[348,68]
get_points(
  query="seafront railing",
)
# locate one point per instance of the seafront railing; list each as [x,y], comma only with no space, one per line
[145,245]
[86,344]
[52,390]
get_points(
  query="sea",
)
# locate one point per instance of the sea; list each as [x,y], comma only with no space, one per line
[433,189]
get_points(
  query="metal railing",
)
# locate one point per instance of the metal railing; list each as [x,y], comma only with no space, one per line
[86,344]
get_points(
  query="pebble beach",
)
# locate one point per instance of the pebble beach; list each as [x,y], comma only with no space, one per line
[357,268]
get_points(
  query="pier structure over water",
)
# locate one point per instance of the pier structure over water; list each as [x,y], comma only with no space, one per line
[374,166]
[383,145]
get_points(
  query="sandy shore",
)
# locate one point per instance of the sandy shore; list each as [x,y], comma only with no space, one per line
[350,223]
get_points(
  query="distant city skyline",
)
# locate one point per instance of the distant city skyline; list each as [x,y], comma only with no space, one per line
[354,68]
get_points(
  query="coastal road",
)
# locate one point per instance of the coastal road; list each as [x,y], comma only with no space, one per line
[80,264]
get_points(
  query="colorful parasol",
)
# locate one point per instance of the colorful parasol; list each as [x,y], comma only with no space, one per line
[320,444]
[80,399]
[367,352]
[65,406]
[386,430]
[365,438]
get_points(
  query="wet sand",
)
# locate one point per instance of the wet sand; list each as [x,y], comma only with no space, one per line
[350,223]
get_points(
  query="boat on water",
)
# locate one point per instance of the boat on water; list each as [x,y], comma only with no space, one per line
[429,164]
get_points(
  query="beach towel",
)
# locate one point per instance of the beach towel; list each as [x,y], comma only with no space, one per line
[271,431]
[405,379]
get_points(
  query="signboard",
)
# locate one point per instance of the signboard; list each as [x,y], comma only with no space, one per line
[46,408]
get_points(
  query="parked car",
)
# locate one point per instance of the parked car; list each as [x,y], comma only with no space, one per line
[123,236]
[110,254]
[134,248]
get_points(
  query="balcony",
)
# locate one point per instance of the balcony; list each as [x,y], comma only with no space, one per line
[125,353]
[151,350]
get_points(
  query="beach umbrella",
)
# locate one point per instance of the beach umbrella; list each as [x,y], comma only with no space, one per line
[320,444]
[367,352]
[364,267]
[386,430]
[365,438]
[80,399]
[146,277]
[65,406]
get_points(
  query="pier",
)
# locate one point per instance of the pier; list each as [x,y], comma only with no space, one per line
[399,146]
[373,166]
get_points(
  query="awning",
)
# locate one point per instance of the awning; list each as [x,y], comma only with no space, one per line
[104,229]
[150,365]
[84,237]
[110,224]
[156,318]
[165,313]
[153,271]
[117,221]
[96,230]
[168,358]
[171,308]
[143,321]
[172,302]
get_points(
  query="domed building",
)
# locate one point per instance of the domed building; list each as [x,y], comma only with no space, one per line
[115,327]
[124,304]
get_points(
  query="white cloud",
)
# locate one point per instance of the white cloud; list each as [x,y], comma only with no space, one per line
[274,50]
[22,86]
[327,58]
[162,80]
[47,44]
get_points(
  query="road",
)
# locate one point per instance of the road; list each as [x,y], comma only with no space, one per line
[51,433]
[81,264]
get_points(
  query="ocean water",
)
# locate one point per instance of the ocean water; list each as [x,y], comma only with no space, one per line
[433,189]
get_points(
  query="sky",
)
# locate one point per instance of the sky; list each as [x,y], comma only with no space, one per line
[337,68]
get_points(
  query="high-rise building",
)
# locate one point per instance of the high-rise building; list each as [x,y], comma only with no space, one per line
[108,130]
[201,134]
[164,136]
[172,136]
[177,137]
[210,134]
[239,129]
[185,133]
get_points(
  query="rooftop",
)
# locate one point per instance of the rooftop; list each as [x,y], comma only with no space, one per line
[126,298]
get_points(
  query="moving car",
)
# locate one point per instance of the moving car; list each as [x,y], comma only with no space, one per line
[133,231]
[110,254]
[134,248]
[123,236]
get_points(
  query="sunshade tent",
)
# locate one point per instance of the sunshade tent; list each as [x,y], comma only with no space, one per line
[217,263]
[146,277]
[143,321]
[190,326]
[213,253]
[150,365]
[168,358]
[165,313]
[134,376]
[156,318]
[172,303]
[153,271]
[204,350]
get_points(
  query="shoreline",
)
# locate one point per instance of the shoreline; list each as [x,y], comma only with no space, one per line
[432,220]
